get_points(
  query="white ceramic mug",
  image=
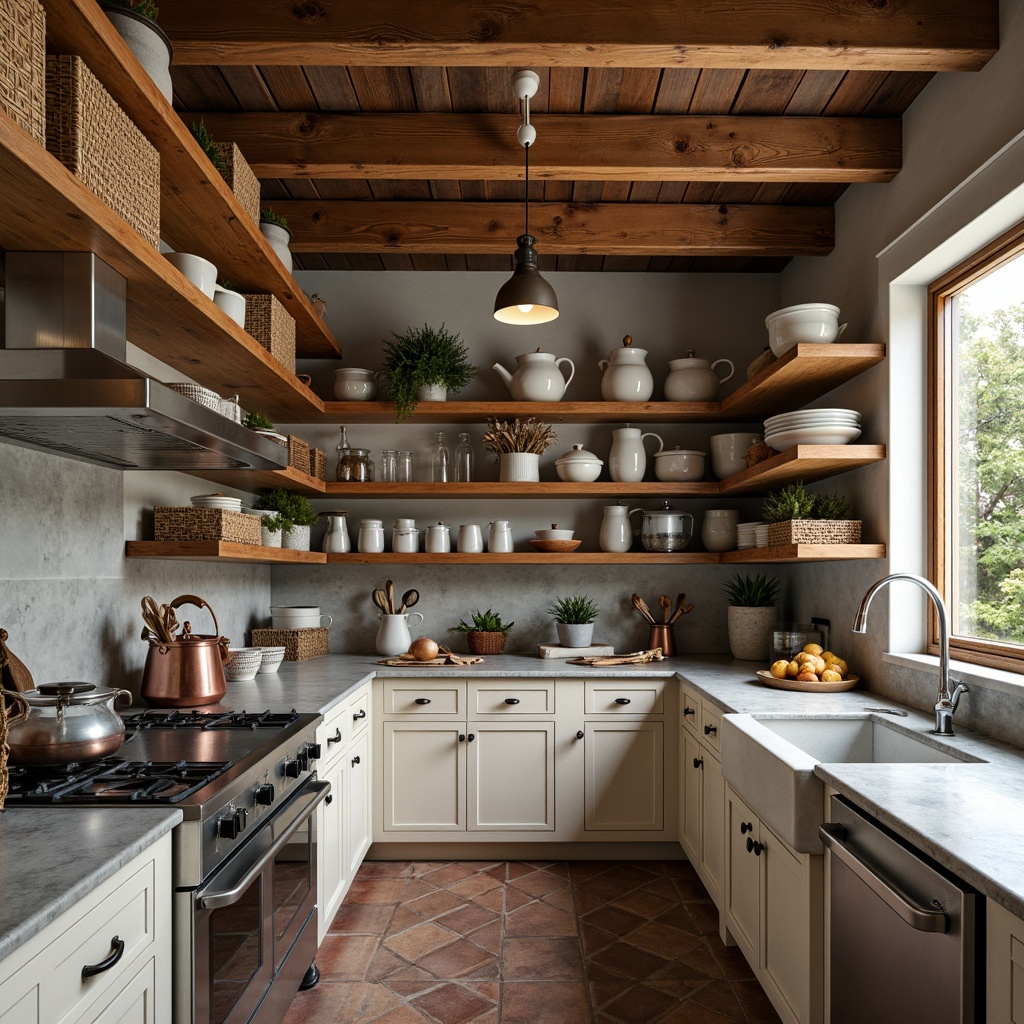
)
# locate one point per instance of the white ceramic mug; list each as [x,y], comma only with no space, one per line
[202,273]
[718,532]
[299,617]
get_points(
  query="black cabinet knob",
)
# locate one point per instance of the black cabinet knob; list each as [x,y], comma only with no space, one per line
[471,737]
[698,762]
[265,794]
[291,768]
[422,700]
[329,799]
[622,700]
[336,738]
[709,729]
[355,760]
[579,734]
[511,700]
[754,847]
[688,711]
[462,737]
[745,827]
[361,713]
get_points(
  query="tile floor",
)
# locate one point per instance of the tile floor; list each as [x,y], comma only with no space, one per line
[513,942]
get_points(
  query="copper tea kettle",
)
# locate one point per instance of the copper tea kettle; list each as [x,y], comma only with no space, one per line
[186,670]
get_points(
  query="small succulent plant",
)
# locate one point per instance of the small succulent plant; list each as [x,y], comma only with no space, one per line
[483,622]
[575,608]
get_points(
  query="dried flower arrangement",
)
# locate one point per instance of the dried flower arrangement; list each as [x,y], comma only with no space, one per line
[531,436]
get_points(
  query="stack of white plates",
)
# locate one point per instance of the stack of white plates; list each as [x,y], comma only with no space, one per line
[746,536]
[811,426]
[221,501]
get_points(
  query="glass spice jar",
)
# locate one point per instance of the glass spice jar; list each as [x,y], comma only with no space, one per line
[354,464]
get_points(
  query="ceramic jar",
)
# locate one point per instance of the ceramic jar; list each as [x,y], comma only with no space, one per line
[538,377]
[695,380]
[371,536]
[627,461]
[393,633]
[626,377]
[578,465]
[405,538]
[499,537]
[439,539]
[336,539]
[354,384]
[718,532]
[470,539]
[616,533]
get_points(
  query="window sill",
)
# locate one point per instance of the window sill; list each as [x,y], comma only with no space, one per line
[974,675]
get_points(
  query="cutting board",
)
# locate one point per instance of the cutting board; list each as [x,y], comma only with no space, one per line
[591,651]
[443,662]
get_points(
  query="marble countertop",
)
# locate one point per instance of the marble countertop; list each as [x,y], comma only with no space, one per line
[51,857]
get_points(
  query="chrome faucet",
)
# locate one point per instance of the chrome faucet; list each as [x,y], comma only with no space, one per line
[946,702]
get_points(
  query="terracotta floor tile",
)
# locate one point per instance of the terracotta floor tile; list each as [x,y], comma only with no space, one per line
[640,1005]
[630,962]
[544,1002]
[561,898]
[384,964]
[691,1013]
[452,1004]
[720,997]
[539,882]
[615,920]
[690,886]
[414,887]
[647,904]
[461,959]
[386,869]
[408,989]
[680,990]
[663,887]
[375,890]
[541,959]
[662,939]
[605,887]
[755,1003]
[346,957]
[595,939]
[587,902]
[732,961]
[403,1015]
[499,871]
[678,917]
[705,917]
[488,937]
[467,918]
[474,885]
[401,919]
[540,919]
[495,899]
[435,903]
[581,870]
[518,868]
[602,992]
[448,873]
[414,943]
[702,959]
[346,1002]
[368,918]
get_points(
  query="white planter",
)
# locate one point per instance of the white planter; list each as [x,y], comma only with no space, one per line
[519,466]
[231,302]
[750,632]
[270,539]
[575,634]
[432,393]
[278,237]
[148,42]
[296,539]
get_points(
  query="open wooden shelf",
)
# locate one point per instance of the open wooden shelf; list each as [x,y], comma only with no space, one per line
[198,212]
[528,557]
[221,551]
[255,480]
[543,489]
[805,462]
[804,553]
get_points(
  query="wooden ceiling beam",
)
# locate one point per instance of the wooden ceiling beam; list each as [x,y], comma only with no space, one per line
[625,229]
[908,35]
[569,147]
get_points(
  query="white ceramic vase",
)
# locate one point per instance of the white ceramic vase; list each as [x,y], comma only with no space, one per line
[148,42]
[519,466]
[296,539]
[750,632]
[278,237]
[432,393]
[393,633]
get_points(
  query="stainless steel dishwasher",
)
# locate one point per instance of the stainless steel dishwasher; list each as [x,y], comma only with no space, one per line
[905,937]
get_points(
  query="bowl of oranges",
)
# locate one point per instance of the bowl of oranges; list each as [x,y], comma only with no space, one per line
[812,670]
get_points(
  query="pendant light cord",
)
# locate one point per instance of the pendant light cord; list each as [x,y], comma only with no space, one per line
[527,148]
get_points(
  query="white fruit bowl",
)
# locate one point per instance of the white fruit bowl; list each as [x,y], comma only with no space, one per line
[808,322]
[679,464]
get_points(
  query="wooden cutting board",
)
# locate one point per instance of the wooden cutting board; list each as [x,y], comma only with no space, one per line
[403,661]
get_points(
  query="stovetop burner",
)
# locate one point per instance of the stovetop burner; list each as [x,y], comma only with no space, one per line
[112,780]
[194,719]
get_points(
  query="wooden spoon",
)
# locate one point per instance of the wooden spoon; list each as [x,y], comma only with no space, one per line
[641,606]
[390,590]
[380,600]
[666,606]
[409,598]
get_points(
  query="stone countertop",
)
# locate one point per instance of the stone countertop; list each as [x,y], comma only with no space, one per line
[51,857]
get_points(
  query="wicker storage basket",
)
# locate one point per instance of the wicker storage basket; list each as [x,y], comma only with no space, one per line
[240,178]
[187,523]
[298,644]
[486,642]
[814,531]
[204,396]
[23,65]
[318,463]
[272,326]
[765,359]
[97,141]
[298,453]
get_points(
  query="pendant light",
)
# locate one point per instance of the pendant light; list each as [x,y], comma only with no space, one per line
[526,298]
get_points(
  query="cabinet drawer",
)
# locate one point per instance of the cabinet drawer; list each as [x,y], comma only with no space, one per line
[690,711]
[711,728]
[635,697]
[358,711]
[332,734]
[419,697]
[512,698]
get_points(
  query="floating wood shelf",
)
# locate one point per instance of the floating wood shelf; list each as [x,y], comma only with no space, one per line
[543,489]
[220,551]
[255,480]
[804,553]
[804,462]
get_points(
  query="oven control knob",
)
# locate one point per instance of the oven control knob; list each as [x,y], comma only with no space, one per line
[241,816]
[292,769]
[229,826]
[303,758]
[265,794]
[313,751]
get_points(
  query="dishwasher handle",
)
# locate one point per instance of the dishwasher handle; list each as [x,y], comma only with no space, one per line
[923,919]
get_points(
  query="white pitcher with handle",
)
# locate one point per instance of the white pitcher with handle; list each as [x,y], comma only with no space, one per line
[538,377]
[627,461]
[393,633]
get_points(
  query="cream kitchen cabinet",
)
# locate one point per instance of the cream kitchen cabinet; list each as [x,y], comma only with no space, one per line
[774,911]
[1004,957]
[624,784]
[122,930]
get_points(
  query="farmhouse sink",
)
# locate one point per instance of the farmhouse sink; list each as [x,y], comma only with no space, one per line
[769,760]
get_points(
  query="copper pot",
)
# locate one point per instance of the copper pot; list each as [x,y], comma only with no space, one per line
[188,671]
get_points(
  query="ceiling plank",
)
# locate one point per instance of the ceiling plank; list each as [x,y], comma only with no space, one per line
[620,229]
[570,147]
[913,35]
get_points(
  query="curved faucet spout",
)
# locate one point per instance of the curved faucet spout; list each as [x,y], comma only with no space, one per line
[945,704]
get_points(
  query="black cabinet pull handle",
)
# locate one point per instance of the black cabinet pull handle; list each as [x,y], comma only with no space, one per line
[422,700]
[336,738]
[698,762]
[745,827]
[688,711]
[511,700]
[754,847]
[329,799]
[750,844]
[361,713]
[579,734]
[621,700]
[709,729]
[355,760]
[117,951]
[471,737]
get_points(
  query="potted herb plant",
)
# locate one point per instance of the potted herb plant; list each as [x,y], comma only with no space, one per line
[752,615]
[274,229]
[318,304]
[423,365]
[271,529]
[518,446]
[796,517]
[265,426]
[486,634]
[296,513]
[135,23]
[574,620]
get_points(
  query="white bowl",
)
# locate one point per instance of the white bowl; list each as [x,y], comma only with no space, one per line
[679,464]
[578,466]
[353,384]
[272,658]
[202,273]
[808,322]
[728,451]
[554,533]
[244,664]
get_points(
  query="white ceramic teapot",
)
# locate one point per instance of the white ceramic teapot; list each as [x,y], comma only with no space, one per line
[626,377]
[537,377]
[695,380]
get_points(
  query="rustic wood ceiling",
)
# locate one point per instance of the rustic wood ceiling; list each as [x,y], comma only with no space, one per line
[672,135]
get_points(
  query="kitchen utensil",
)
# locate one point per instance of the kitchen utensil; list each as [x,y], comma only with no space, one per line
[393,633]
[578,465]
[635,658]
[641,606]
[660,635]
[666,605]
[678,464]
[625,376]
[627,460]
[728,451]
[409,598]
[795,684]
[380,599]
[695,380]
[537,378]
[68,722]
[680,609]
[188,671]
[389,590]
[13,673]
[807,322]
[555,546]
[664,529]
[244,664]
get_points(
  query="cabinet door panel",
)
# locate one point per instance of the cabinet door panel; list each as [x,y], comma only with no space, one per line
[332,876]
[624,780]
[512,776]
[743,875]
[424,777]
[712,847]
[357,831]
[691,788]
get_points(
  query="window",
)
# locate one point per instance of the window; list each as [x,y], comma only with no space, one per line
[977,472]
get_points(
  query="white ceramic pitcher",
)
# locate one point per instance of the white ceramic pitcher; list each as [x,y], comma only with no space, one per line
[616,532]
[393,633]
[627,461]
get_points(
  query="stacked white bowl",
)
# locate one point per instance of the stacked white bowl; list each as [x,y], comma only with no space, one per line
[221,501]
[811,426]
[244,664]
[272,658]
[746,535]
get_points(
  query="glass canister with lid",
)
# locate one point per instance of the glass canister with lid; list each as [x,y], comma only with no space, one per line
[354,464]
[664,529]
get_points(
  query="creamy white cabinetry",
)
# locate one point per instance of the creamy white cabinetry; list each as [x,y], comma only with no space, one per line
[624,783]
[1004,956]
[343,818]
[424,771]
[774,911]
[125,922]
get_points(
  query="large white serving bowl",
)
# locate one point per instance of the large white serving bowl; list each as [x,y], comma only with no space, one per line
[679,464]
[808,322]
[784,439]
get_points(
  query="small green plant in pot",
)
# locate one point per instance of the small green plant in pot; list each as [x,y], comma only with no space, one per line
[574,619]
[486,634]
[796,517]
[424,364]
[752,616]
[274,229]
[296,513]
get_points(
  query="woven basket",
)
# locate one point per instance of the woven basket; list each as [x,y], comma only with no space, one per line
[765,359]
[187,523]
[272,326]
[814,531]
[240,178]
[318,463]
[485,642]
[23,65]
[204,396]
[298,453]
[298,644]
[97,141]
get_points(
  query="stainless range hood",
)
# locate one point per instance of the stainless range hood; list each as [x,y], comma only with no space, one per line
[66,388]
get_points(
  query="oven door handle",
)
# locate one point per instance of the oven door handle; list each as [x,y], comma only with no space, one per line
[301,810]
[922,919]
